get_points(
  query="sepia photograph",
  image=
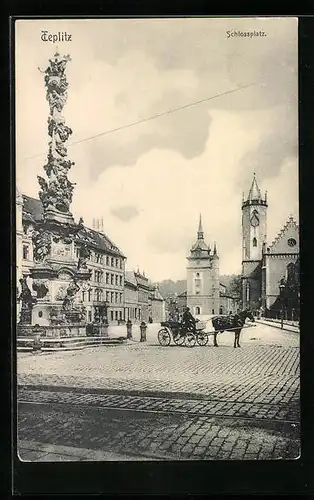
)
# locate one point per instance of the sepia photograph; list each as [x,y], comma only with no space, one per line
[157,239]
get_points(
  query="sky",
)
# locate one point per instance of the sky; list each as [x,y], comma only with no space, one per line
[151,181]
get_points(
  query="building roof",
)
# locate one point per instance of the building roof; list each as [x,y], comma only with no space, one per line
[254,192]
[33,212]
[255,195]
[290,228]
[200,246]
[32,209]
[130,278]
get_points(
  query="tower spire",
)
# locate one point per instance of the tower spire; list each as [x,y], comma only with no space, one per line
[254,193]
[200,232]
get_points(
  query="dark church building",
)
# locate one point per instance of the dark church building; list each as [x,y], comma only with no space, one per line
[270,272]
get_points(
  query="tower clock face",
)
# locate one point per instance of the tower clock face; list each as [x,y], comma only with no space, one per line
[254,219]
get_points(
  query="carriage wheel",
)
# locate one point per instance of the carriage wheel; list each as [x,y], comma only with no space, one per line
[190,339]
[178,339]
[164,337]
[202,338]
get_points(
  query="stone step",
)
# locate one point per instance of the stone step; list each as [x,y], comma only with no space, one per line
[26,344]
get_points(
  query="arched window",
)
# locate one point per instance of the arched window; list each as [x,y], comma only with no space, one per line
[197,310]
[254,242]
[290,273]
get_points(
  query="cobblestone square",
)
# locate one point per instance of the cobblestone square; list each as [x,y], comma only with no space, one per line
[167,403]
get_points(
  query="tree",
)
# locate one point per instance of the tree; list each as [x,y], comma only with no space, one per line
[235,285]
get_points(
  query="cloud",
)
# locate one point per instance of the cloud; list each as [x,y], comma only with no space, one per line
[150,181]
[125,213]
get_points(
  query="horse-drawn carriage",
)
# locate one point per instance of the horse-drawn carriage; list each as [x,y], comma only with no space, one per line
[181,335]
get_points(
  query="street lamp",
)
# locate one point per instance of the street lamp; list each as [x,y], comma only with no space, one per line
[281,290]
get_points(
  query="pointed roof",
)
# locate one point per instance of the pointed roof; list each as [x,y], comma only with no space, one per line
[289,230]
[215,255]
[255,192]
[200,232]
[200,244]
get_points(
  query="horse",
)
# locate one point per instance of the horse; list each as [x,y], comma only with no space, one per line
[233,323]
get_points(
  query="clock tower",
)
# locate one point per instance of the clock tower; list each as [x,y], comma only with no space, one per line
[254,235]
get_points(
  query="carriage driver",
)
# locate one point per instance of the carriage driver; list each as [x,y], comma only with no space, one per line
[188,321]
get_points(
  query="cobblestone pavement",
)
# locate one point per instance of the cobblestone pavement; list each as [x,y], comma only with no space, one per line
[164,405]
[168,402]
[251,374]
[159,436]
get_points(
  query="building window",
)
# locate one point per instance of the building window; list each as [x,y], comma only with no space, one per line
[120,314]
[107,278]
[112,296]
[213,311]
[98,276]
[40,314]
[89,315]
[116,296]
[25,252]
[117,279]
[120,263]
[197,275]
[116,315]
[121,282]
[77,252]
[89,295]
[117,262]
[83,296]
[111,315]
[111,278]
[107,296]
[254,242]
[197,310]
[120,297]
[112,261]
[107,260]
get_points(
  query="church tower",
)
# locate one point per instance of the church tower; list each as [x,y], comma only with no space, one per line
[254,236]
[202,277]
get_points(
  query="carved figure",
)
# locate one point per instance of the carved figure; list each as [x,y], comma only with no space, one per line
[41,288]
[68,300]
[57,192]
[83,257]
[25,295]
[42,245]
